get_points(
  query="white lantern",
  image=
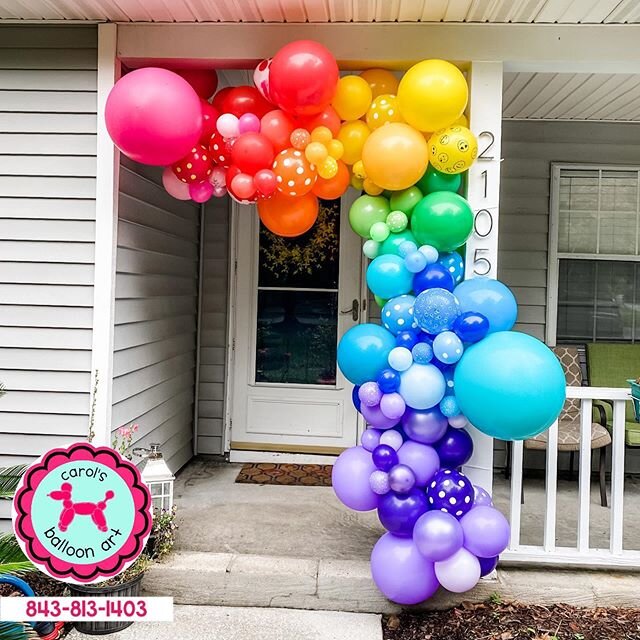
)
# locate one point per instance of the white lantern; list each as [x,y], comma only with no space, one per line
[157,476]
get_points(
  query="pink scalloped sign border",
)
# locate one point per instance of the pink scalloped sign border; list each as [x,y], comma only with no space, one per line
[58,566]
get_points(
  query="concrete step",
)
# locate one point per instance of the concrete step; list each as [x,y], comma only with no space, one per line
[241,580]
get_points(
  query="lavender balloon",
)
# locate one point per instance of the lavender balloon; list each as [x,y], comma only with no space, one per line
[422,459]
[370,394]
[487,565]
[376,418]
[426,426]
[486,532]
[401,479]
[393,406]
[481,497]
[437,535]
[350,479]
[384,457]
[450,491]
[455,448]
[401,572]
[399,512]
[371,438]
[459,573]
[379,482]
[392,438]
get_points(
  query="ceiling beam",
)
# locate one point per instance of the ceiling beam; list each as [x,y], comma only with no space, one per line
[531,47]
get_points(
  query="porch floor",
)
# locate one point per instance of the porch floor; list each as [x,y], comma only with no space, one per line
[217,515]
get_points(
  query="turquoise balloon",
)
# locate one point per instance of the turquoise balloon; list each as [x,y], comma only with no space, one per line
[510,385]
[363,352]
[393,242]
[387,277]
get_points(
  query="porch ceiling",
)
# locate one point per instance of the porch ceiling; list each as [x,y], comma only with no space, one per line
[496,11]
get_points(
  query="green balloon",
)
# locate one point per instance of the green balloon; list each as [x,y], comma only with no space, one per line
[433,180]
[405,200]
[442,219]
[393,242]
[379,301]
[366,211]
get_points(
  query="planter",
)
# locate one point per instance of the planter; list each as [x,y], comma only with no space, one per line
[128,589]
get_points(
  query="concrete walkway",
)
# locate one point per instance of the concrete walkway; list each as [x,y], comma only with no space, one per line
[234,623]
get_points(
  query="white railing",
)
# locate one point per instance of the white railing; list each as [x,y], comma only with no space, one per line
[582,554]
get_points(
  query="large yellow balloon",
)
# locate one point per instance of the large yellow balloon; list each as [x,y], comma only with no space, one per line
[452,150]
[353,136]
[352,98]
[432,95]
[383,109]
[381,81]
[395,156]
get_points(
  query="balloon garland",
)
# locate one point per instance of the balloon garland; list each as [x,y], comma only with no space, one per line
[444,354]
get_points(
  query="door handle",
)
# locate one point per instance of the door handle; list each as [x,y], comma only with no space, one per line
[354,310]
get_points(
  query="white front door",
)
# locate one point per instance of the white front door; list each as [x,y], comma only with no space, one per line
[294,298]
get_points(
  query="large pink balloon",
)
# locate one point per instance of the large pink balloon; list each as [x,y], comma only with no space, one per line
[153,116]
[174,186]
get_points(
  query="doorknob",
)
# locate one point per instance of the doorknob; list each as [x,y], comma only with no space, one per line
[354,311]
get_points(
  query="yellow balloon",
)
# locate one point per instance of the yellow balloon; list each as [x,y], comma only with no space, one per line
[463,121]
[353,136]
[321,134]
[383,109]
[316,152]
[356,183]
[352,98]
[381,81]
[371,188]
[358,170]
[328,169]
[452,150]
[395,156]
[432,95]
[335,149]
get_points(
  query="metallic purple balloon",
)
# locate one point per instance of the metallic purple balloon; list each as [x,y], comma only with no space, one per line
[379,482]
[450,491]
[486,532]
[401,479]
[421,458]
[399,512]
[426,426]
[350,479]
[370,438]
[455,448]
[370,394]
[384,457]
[376,418]
[437,535]
[481,497]
[487,565]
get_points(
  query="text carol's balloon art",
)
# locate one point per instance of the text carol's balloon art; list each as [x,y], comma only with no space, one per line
[444,354]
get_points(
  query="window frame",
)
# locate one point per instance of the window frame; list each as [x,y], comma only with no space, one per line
[554,256]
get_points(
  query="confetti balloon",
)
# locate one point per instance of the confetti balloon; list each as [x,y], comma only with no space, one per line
[383,109]
[452,150]
[450,491]
[295,175]
[397,314]
[436,310]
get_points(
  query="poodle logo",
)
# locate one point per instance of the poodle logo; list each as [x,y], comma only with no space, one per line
[82,514]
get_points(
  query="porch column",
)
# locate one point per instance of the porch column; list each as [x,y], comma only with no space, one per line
[483,191]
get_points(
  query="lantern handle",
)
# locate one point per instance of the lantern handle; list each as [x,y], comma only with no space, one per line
[152,452]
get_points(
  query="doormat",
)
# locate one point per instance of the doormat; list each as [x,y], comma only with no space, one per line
[299,475]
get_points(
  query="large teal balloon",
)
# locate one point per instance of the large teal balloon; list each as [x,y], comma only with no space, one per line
[393,242]
[387,277]
[510,385]
[363,352]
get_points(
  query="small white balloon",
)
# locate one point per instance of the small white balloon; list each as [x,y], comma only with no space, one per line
[400,358]
[458,422]
[392,438]
[458,573]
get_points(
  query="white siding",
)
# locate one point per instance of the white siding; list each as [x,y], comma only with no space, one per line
[155,313]
[47,212]
[213,328]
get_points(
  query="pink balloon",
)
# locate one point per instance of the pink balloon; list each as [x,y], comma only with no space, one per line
[218,177]
[153,116]
[243,186]
[265,181]
[228,125]
[174,186]
[219,192]
[201,191]
[249,123]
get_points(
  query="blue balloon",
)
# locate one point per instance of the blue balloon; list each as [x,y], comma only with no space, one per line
[422,353]
[407,339]
[510,385]
[415,261]
[389,381]
[447,347]
[449,406]
[422,386]
[355,397]
[492,299]
[454,264]
[471,326]
[387,276]
[397,314]
[363,352]
[433,276]
[436,310]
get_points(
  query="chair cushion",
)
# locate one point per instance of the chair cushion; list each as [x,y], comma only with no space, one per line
[570,361]
[632,434]
[569,437]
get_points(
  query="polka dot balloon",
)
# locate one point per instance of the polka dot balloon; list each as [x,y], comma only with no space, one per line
[219,151]
[195,167]
[397,314]
[447,347]
[450,491]
[295,175]
[454,264]
[382,110]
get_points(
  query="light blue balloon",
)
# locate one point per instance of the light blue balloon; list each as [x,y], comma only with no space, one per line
[447,347]
[363,352]
[492,299]
[430,253]
[387,276]
[454,264]
[422,386]
[415,262]
[407,248]
[397,314]
[436,310]
[510,385]
[449,406]
[400,358]
[422,353]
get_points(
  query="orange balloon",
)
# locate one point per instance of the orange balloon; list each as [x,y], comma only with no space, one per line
[333,188]
[288,217]
[326,118]
[295,175]
[381,81]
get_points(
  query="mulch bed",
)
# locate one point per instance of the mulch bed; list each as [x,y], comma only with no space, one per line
[40,583]
[497,621]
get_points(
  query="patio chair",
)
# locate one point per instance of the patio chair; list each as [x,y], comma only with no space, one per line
[569,421]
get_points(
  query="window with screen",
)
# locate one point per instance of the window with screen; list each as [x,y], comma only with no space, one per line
[597,213]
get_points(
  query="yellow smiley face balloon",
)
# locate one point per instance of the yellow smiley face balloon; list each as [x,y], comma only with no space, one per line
[452,150]
[383,109]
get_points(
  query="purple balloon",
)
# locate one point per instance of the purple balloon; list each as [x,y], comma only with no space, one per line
[437,535]
[426,425]
[487,565]
[393,406]
[455,448]
[370,394]
[452,492]
[384,457]
[421,458]
[350,479]
[376,418]
[486,532]
[401,479]
[379,482]
[458,573]
[401,572]
[481,497]
[399,512]
[370,438]
[392,438]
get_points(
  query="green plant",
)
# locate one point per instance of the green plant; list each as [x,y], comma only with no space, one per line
[495,598]
[163,532]
[9,479]
[130,573]
[16,631]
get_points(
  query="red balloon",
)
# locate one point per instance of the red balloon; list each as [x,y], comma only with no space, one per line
[209,117]
[204,81]
[277,126]
[289,217]
[243,99]
[303,77]
[252,152]
[195,167]
[218,150]
[220,97]
[326,118]
[243,186]
[265,181]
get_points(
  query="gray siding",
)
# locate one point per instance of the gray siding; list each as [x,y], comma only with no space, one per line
[213,332]
[47,212]
[155,313]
